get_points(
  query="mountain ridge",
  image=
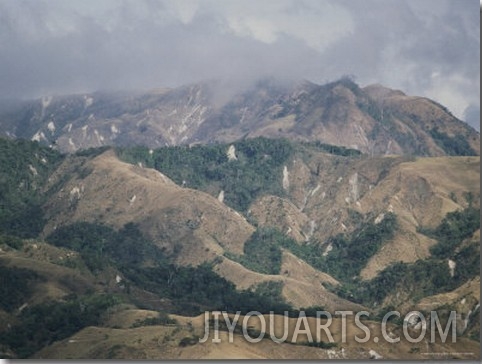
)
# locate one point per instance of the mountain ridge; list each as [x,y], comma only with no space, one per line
[373,119]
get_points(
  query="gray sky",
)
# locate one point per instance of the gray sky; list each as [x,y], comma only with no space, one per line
[423,47]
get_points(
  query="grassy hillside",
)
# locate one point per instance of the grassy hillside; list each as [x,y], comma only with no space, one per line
[257,169]
[126,253]
[119,235]
[429,276]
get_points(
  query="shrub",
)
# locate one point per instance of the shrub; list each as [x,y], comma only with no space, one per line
[189,341]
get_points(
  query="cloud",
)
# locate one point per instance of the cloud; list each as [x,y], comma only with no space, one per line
[317,24]
[429,48]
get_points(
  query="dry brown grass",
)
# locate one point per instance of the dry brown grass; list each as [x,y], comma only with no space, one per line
[125,317]
[469,290]
[277,212]
[162,342]
[58,281]
[170,215]
[302,284]
[421,194]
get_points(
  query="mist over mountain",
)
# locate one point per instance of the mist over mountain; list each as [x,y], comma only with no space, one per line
[373,119]
[429,48]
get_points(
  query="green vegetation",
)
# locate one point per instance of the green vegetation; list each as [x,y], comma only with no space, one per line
[161,319]
[192,289]
[100,244]
[42,324]
[311,311]
[356,250]
[429,276]
[196,289]
[455,227]
[24,169]
[189,341]
[456,145]
[16,286]
[92,152]
[422,278]
[258,168]
[266,297]
[318,344]
[12,241]
[333,149]
[262,252]
[350,253]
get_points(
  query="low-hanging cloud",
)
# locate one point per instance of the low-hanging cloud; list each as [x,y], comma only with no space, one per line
[429,47]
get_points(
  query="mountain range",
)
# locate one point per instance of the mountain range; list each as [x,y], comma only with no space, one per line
[124,216]
[373,119]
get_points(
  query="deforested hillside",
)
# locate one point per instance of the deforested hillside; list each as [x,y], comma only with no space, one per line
[258,224]
[374,119]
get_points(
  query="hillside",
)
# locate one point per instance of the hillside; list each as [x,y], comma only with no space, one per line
[259,224]
[161,342]
[374,119]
